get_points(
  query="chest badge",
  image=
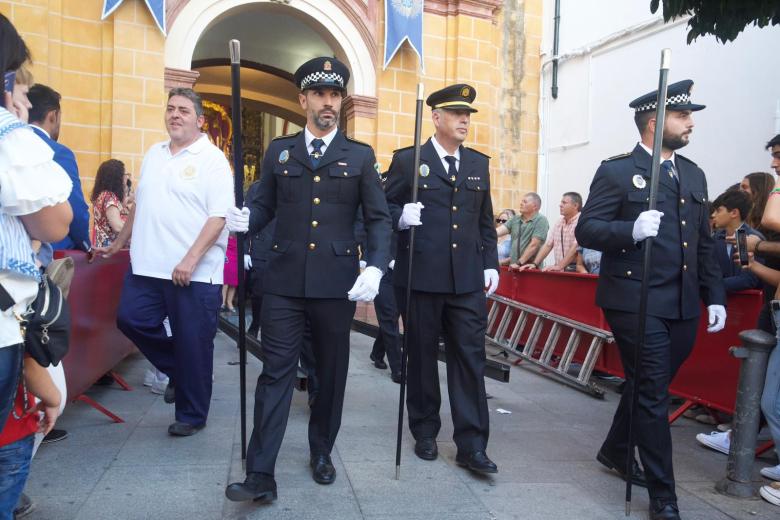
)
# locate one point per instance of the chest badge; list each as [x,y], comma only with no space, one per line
[424,170]
[189,172]
[378,169]
[639,181]
[283,156]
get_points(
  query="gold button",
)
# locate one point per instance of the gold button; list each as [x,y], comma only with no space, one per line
[345,174]
[685,244]
[622,250]
[316,200]
[312,246]
[314,223]
[685,267]
[454,246]
[454,226]
[285,172]
[683,222]
[276,246]
[316,178]
[425,185]
[454,208]
[349,251]
[628,273]
[452,178]
[682,201]
[456,189]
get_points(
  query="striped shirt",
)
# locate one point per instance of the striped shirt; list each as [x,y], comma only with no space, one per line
[561,237]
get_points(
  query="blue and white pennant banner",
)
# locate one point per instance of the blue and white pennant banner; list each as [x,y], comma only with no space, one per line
[156,7]
[403,22]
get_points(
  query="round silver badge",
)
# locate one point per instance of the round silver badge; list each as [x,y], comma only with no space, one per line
[424,170]
[284,156]
[639,181]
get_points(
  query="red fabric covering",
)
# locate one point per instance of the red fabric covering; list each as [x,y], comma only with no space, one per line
[16,429]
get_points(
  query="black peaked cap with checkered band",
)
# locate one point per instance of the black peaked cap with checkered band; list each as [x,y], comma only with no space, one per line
[678,97]
[323,72]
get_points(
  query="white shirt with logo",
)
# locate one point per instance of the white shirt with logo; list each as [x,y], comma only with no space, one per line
[175,196]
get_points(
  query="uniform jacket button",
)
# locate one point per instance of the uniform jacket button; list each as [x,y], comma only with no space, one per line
[314,223]
[312,246]
[316,178]
[628,273]
[454,246]
[316,200]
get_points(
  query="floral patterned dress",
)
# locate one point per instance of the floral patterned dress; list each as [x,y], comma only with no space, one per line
[104,234]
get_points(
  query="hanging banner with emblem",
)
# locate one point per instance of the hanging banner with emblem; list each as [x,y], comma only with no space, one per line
[156,7]
[403,22]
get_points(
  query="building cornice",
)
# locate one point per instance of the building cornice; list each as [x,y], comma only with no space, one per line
[486,9]
[180,78]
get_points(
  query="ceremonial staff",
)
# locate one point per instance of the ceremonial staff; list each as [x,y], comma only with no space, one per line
[407,327]
[238,186]
[660,114]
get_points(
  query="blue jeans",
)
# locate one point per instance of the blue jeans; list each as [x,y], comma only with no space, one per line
[14,468]
[770,399]
[10,369]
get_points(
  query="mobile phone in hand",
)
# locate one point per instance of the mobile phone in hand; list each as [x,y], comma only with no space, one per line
[742,249]
[9,80]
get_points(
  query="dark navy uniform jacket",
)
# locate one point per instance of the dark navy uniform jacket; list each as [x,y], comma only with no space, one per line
[457,239]
[684,267]
[314,252]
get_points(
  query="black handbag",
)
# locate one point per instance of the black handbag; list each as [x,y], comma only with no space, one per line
[47,325]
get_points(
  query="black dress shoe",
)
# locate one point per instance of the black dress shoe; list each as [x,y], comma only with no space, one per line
[396,377]
[664,510]
[183,429]
[476,461]
[637,475]
[378,362]
[256,487]
[322,470]
[426,448]
[170,393]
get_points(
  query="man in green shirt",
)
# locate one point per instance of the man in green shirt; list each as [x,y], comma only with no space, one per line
[528,230]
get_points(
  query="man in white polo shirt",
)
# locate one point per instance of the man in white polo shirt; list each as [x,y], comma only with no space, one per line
[177,257]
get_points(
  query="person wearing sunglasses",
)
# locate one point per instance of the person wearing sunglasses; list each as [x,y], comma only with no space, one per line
[504,242]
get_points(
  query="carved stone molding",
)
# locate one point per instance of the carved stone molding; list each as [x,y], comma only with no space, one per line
[487,9]
[180,78]
[360,106]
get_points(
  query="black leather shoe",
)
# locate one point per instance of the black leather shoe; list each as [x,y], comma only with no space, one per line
[170,393]
[426,448]
[378,362]
[183,429]
[396,377]
[322,470]
[663,510]
[476,461]
[256,487]
[637,475]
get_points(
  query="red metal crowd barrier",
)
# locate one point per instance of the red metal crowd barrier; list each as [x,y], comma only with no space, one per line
[96,345]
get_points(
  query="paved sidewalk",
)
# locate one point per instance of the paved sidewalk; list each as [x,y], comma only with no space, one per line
[545,451]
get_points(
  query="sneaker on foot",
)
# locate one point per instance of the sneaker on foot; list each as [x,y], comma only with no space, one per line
[718,441]
[149,377]
[772,472]
[159,386]
[24,507]
[54,436]
[706,418]
[771,493]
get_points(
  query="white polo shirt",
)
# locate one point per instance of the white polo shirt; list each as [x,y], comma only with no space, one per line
[175,196]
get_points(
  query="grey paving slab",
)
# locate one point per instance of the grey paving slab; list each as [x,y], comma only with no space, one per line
[538,501]
[56,507]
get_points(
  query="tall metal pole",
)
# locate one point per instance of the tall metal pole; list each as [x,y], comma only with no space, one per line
[238,186]
[407,326]
[660,115]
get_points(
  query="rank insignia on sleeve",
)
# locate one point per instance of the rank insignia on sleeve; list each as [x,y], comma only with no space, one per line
[639,181]
[424,170]
[283,156]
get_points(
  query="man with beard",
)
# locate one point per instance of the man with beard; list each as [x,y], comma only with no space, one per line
[615,220]
[313,183]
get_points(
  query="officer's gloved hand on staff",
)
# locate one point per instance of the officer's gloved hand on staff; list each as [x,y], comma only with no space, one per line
[716,318]
[363,264]
[237,220]
[366,286]
[646,225]
[247,262]
[491,281]
[411,215]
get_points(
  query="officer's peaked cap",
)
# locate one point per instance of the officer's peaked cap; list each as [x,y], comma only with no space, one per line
[323,72]
[454,97]
[678,97]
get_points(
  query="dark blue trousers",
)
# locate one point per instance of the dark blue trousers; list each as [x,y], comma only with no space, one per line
[187,358]
[388,341]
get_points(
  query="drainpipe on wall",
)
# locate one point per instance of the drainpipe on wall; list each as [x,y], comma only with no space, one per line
[556,38]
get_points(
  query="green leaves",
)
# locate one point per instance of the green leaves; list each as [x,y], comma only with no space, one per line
[724,19]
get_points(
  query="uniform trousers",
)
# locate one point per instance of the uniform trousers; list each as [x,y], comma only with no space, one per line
[462,320]
[282,335]
[388,341]
[187,357]
[667,345]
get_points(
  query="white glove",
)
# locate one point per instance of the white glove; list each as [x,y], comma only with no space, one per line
[247,262]
[391,265]
[717,318]
[646,225]
[363,264]
[491,281]
[366,286]
[410,216]
[237,220]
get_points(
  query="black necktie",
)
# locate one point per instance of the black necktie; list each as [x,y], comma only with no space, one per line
[668,167]
[451,171]
[316,154]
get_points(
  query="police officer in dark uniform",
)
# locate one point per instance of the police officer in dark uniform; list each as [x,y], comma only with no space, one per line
[312,182]
[455,258]
[615,220]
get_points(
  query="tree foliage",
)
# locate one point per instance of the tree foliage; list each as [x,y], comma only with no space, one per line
[724,19]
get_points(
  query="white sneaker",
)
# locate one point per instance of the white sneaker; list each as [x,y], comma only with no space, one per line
[772,472]
[771,493]
[718,441]
[149,377]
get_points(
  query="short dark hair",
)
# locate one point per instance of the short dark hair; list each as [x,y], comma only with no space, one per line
[189,94]
[43,100]
[642,119]
[575,197]
[733,199]
[773,142]
[13,50]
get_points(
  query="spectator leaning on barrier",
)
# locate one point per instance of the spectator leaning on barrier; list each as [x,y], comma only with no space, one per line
[561,240]
[728,213]
[505,242]
[528,230]
[177,257]
[757,185]
[107,198]
[588,260]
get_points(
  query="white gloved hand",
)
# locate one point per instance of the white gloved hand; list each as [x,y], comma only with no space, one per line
[646,225]
[491,281]
[247,262]
[363,264]
[366,286]
[391,265]
[237,220]
[716,318]
[411,215]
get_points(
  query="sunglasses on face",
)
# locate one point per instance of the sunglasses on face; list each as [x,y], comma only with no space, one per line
[501,221]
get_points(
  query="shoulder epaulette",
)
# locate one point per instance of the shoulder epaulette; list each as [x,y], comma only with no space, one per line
[685,158]
[287,136]
[353,140]
[477,151]
[619,156]
[402,149]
